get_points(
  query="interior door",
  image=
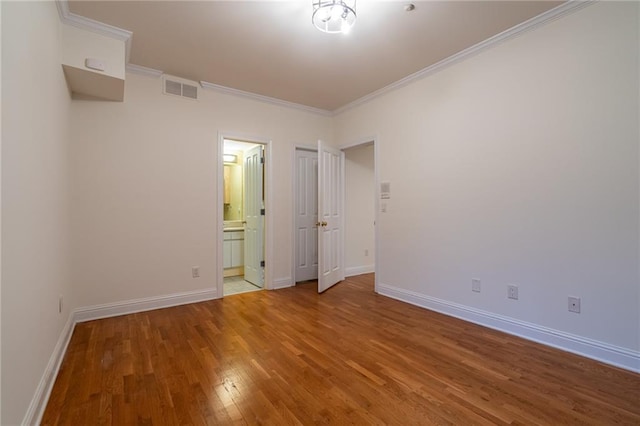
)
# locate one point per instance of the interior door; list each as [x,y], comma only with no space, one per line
[306,215]
[254,217]
[330,216]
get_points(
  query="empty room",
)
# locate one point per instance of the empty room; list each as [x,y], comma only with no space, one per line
[320,212]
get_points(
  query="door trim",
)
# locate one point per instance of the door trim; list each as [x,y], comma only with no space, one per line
[268,205]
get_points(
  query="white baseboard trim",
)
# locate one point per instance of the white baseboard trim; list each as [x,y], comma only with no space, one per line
[279,283]
[359,270]
[600,351]
[43,391]
[107,310]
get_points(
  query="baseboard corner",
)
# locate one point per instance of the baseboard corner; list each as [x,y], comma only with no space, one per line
[38,404]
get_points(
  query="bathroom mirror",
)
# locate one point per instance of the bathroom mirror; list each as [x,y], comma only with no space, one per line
[233,209]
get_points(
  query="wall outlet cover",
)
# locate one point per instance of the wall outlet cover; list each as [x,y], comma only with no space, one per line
[512,292]
[574,304]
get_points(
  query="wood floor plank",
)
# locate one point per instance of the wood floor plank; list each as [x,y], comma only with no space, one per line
[348,356]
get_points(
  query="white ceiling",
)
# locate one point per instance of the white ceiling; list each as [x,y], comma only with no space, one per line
[271,48]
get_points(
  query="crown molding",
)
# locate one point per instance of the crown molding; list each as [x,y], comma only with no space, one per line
[254,96]
[139,69]
[535,22]
[568,7]
[69,18]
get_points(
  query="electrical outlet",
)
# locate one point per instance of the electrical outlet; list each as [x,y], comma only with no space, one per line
[60,301]
[574,304]
[475,285]
[195,272]
[512,292]
[366,252]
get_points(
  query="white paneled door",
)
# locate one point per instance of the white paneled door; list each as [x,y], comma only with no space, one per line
[254,216]
[330,216]
[306,200]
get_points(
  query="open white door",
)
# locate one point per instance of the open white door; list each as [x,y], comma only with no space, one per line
[254,217]
[330,216]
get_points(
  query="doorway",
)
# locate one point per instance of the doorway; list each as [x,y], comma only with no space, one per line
[243,196]
[360,201]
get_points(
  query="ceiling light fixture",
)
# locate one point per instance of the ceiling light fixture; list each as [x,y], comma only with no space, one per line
[230,158]
[334,16]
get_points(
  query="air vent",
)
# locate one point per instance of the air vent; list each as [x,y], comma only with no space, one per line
[178,87]
[189,91]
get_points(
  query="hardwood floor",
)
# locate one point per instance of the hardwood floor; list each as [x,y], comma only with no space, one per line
[348,356]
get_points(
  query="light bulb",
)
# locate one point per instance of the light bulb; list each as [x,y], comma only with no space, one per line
[336,12]
[345,27]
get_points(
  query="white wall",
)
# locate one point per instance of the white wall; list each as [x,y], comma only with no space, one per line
[359,209]
[35,213]
[519,165]
[144,187]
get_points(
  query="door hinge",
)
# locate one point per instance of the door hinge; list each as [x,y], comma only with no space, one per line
[261,212]
[262,263]
[261,160]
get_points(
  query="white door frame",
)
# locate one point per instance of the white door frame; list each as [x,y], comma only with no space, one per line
[268,205]
[376,201]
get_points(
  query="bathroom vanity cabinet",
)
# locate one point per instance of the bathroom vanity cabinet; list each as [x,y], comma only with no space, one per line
[233,252]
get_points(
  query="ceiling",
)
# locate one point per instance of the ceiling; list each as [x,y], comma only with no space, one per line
[270,48]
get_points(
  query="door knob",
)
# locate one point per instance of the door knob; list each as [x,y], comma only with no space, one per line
[324,223]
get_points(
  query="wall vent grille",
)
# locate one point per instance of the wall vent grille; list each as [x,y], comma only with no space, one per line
[177,87]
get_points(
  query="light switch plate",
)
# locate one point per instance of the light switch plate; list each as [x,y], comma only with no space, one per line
[385,190]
